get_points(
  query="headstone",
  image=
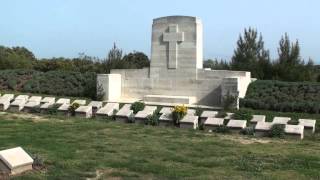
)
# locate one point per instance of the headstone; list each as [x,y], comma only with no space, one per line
[84,111]
[108,110]
[309,124]
[15,161]
[47,102]
[33,101]
[96,104]
[189,122]
[262,128]
[212,123]
[258,118]
[166,110]
[5,101]
[166,119]
[18,103]
[176,73]
[207,114]
[124,114]
[63,101]
[142,116]
[281,120]
[294,131]
[237,125]
[191,112]
[80,102]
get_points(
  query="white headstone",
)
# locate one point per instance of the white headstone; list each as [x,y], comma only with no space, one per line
[308,124]
[258,118]
[237,124]
[124,113]
[63,101]
[108,109]
[17,160]
[211,121]
[80,102]
[189,121]
[207,114]
[281,120]
[84,111]
[295,130]
[263,126]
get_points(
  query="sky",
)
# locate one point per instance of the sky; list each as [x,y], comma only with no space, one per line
[65,28]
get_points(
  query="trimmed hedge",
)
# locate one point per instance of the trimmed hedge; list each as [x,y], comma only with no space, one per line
[283,96]
[60,83]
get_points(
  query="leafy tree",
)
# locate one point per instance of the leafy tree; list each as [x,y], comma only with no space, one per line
[136,60]
[251,55]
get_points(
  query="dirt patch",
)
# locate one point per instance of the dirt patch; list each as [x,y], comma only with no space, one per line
[34,118]
[118,174]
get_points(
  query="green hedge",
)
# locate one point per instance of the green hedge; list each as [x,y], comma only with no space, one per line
[53,82]
[283,96]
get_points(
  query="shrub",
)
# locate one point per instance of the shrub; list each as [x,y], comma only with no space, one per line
[222,129]
[248,131]
[277,130]
[293,122]
[229,101]
[242,115]
[35,109]
[153,119]
[38,163]
[137,106]
[178,113]
[53,109]
[72,108]
[283,96]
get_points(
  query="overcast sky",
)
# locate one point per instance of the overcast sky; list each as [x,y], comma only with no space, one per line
[57,28]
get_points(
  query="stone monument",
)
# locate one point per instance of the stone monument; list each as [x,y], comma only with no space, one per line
[176,73]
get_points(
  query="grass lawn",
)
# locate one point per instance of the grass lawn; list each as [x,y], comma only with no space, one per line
[78,149]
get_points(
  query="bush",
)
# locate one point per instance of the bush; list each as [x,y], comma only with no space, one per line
[277,131]
[248,131]
[35,109]
[229,102]
[222,129]
[283,96]
[137,106]
[178,113]
[53,109]
[242,115]
[72,108]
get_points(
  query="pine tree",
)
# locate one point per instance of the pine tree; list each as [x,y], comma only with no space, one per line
[251,55]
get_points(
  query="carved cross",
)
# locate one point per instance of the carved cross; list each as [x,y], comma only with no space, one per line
[173,37]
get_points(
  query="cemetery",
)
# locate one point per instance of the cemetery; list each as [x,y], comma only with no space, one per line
[147,119]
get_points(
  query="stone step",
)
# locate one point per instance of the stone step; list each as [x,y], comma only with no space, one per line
[170,99]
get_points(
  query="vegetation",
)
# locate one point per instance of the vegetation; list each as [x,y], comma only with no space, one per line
[251,55]
[137,106]
[72,108]
[277,130]
[74,149]
[52,83]
[229,102]
[283,96]
[178,113]
[242,114]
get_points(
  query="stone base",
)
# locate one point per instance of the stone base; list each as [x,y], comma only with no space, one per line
[165,123]
[170,99]
[21,169]
[187,126]
[140,121]
[234,130]
[83,115]
[4,107]
[122,119]
[14,109]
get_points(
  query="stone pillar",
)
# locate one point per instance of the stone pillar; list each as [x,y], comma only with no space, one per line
[111,86]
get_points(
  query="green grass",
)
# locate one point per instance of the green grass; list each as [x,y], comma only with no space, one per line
[76,149]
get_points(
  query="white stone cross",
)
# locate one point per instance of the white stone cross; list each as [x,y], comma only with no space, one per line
[173,37]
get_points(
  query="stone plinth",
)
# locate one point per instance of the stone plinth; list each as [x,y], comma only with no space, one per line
[124,114]
[258,118]
[308,124]
[189,122]
[296,131]
[142,116]
[212,123]
[33,101]
[166,120]
[237,125]
[5,101]
[281,120]
[108,110]
[207,114]
[17,105]
[111,85]
[262,128]
[15,161]
[84,111]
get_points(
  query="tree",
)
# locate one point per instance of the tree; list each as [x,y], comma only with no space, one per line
[136,60]
[216,64]
[251,55]
[113,60]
